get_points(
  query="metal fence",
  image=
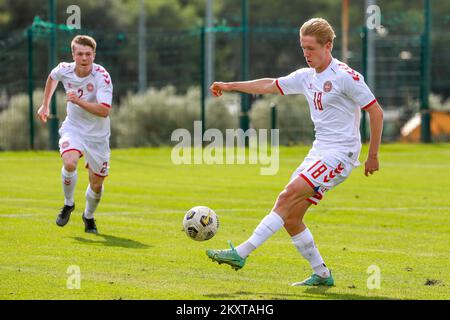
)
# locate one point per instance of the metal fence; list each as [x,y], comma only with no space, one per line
[178,59]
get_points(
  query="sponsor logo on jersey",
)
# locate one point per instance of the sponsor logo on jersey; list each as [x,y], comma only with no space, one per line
[327,86]
[90,87]
[65,144]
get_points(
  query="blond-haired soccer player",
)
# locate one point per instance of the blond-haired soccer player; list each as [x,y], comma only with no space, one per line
[335,94]
[86,129]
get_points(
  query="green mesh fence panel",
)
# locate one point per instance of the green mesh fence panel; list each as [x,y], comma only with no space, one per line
[174,58]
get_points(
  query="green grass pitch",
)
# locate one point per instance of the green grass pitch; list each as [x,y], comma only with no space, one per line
[397,220]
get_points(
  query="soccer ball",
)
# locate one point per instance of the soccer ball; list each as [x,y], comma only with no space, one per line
[200,223]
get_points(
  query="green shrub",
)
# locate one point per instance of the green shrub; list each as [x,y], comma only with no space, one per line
[15,122]
[149,119]
[293,118]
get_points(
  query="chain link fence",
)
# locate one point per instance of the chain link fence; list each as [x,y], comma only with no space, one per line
[177,59]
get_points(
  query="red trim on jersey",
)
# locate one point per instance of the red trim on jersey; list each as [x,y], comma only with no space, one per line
[369,104]
[307,180]
[309,200]
[106,105]
[87,167]
[318,196]
[51,77]
[279,88]
[100,175]
[81,154]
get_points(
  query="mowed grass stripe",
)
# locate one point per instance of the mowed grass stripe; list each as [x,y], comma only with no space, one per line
[397,219]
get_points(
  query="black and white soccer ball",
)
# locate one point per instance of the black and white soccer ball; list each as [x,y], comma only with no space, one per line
[200,223]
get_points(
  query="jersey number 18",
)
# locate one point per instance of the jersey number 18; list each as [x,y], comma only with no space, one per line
[318,101]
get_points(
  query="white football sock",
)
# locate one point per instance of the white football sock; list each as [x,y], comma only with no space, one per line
[92,201]
[69,180]
[304,242]
[267,227]
[244,249]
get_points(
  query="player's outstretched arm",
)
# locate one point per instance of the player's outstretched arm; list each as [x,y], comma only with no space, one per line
[259,86]
[50,87]
[376,129]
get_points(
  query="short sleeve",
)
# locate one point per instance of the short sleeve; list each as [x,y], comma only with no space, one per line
[55,74]
[356,89]
[104,90]
[292,83]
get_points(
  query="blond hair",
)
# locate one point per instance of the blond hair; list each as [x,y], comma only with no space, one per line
[84,41]
[319,28]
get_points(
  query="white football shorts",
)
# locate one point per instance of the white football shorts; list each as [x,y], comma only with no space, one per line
[97,153]
[323,171]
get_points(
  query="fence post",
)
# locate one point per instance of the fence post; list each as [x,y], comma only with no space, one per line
[30,85]
[273,116]
[202,78]
[245,98]
[363,127]
[425,132]
[53,119]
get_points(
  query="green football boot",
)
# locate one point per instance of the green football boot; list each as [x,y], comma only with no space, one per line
[316,280]
[228,256]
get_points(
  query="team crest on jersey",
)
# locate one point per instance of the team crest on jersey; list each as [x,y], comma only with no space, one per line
[65,144]
[327,86]
[90,87]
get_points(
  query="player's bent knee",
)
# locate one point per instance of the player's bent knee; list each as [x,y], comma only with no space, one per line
[96,186]
[70,165]
[292,193]
[96,183]
[291,221]
[284,197]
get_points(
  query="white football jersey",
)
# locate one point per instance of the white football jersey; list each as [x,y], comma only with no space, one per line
[335,97]
[97,88]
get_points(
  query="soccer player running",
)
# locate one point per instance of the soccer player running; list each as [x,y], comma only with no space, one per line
[335,95]
[86,129]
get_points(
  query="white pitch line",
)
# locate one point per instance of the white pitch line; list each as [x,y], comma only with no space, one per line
[227,210]
[147,212]
[23,215]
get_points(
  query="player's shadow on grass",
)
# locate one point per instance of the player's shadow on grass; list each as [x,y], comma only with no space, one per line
[321,292]
[316,293]
[113,241]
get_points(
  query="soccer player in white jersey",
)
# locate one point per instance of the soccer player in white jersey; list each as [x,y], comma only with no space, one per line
[86,129]
[335,95]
